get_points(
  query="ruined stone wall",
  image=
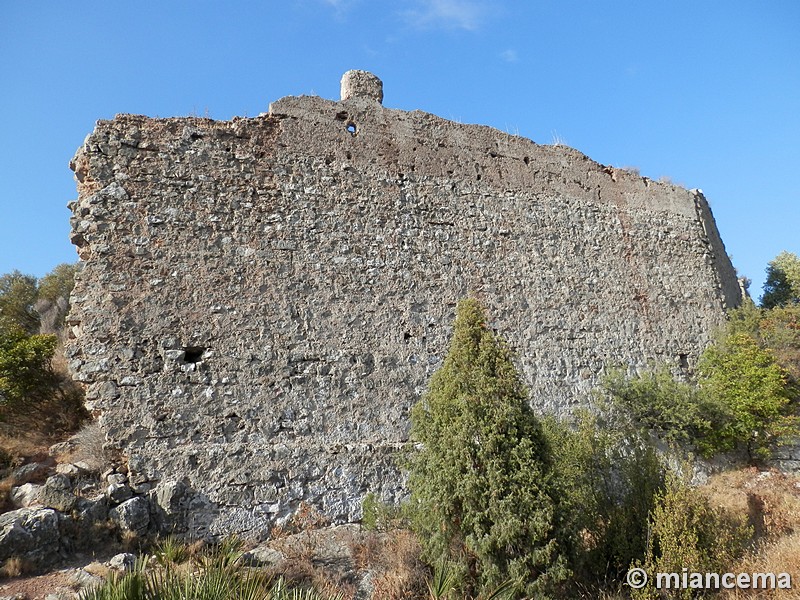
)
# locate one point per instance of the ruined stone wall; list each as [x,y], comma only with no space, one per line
[262,300]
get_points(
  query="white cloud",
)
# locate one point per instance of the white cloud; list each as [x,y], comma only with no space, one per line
[509,55]
[340,6]
[450,14]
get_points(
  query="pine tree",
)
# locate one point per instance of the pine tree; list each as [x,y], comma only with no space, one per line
[782,286]
[479,482]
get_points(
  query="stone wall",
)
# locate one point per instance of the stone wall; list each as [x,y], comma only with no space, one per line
[262,300]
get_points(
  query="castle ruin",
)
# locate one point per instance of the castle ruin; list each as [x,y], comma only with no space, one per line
[262,300]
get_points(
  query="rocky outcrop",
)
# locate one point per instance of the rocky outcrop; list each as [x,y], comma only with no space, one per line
[262,300]
[31,534]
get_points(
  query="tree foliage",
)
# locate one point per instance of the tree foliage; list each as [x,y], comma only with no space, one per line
[58,283]
[782,285]
[26,378]
[480,480]
[35,396]
[31,304]
[748,382]
[18,295]
[742,396]
[53,297]
[607,478]
[677,412]
[776,330]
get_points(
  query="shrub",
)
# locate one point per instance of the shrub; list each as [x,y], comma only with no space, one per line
[32,394]
[17,297]
[26,379]
[742,397]
[678,413]
[607,479]
[480,481]
[686,532]
[378,516]
[90,448]
[753,388]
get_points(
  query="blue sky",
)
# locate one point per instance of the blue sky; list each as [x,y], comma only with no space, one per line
[706,93]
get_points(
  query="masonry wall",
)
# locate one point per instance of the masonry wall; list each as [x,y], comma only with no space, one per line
[261,301]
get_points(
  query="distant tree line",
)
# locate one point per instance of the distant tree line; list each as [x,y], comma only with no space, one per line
[36,393]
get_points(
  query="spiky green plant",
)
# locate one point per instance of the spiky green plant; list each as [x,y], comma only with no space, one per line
[171,551]
[442,585]
[221,577]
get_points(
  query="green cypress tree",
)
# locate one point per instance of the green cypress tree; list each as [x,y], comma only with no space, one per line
[479,481]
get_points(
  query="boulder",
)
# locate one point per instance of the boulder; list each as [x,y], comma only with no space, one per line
[68,469]
[63,447]
[25,495]
[92,510]
[119,492]
[116,478]
[31,534]
[168,496]
[132,515]
[29,471]
[57,493]
[262,556]
[122,562]
[82,579]
[169,502]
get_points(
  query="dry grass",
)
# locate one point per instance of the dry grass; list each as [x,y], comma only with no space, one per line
[25,445]
[15,567]
[98,569]
[779,556]
[314,557]
[15,451]
[770,499]
[5,494]
[400,573]
[90,448]
[130,541]
[196,549]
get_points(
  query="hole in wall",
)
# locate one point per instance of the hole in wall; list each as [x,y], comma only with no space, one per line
[348,155]
[526,160]
[683,361]
[341,116]
[351,127]
[406,336]
[193,354]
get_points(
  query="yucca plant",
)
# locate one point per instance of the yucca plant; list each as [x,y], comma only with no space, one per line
[442,585]
[280,591]
[171,551]
[505,591]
